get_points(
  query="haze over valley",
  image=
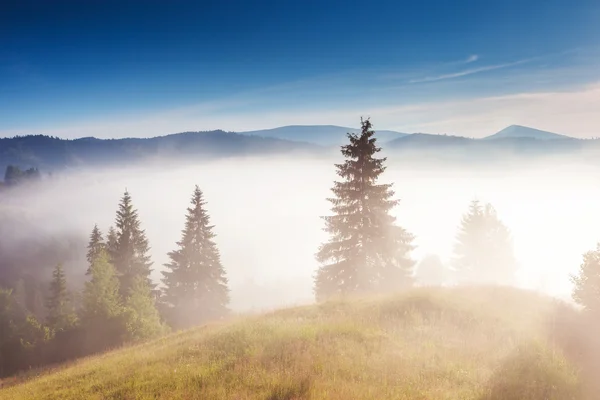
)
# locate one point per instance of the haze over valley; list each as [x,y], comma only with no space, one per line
[267,210]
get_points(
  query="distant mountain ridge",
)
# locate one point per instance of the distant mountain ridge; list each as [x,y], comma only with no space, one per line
[519,131]
[332,135]
[48,153]
[323,135]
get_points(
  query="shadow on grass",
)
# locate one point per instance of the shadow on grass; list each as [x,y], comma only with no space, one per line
[567,367]
[534,372]
[577,335]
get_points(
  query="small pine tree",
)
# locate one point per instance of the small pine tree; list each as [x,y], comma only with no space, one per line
[33,333]
[101,300]
[7,323]
[111,243]
[367,252]
[431,271]
[586,291]
[142,320]
[95,246]
[469,249]
[61,315]
[195,281]
[483,249]
[130,257]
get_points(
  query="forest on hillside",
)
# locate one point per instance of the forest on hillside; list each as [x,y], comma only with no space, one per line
[367,252]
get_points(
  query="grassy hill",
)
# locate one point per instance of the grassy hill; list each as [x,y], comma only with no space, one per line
[468,343]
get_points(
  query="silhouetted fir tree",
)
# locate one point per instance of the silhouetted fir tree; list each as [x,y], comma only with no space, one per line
[195,281]
[142,320]
[586,290]
[101,301]
[483,249]
[14,175]
[130,256]
[61,315]
[95,246]
[367,252]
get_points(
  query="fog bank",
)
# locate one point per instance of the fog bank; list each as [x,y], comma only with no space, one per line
[266,212]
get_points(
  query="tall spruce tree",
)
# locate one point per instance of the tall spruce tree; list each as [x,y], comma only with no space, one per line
[195,281]
[586,290]
[367,252]
[61,315]
[131,249]
[95,246]
[483,250]
[101,301]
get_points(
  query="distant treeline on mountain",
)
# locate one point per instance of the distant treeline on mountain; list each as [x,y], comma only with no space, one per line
[51,153]
[48,152]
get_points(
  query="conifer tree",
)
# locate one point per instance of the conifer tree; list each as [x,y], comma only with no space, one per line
[431,271]
[483,249]
[111,243]
[469,249]
[7,324]
[142,320]
[586,291]
[61,315]
[367,251]
[195,281]
[101,300]
[130,256]
[95,246]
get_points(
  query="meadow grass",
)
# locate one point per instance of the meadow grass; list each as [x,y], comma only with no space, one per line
[461,343]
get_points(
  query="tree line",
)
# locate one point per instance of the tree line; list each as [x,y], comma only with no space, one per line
[14,176]
[367,252]
[119,302]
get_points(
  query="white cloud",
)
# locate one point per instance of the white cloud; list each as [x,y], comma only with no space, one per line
[569,112]
[467,72]
[472,58]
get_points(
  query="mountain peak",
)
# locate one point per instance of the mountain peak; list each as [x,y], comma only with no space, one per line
[520,131]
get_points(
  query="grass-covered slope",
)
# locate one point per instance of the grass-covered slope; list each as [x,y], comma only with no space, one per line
[469,343]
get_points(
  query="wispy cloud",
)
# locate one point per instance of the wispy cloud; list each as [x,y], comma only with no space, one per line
[472,58]
[468,71]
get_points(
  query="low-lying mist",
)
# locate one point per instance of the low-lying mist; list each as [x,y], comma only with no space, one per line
[266,215]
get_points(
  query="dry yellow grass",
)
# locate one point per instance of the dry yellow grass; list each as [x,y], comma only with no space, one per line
[467,343]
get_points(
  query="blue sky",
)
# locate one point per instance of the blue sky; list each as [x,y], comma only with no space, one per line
[113,69]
